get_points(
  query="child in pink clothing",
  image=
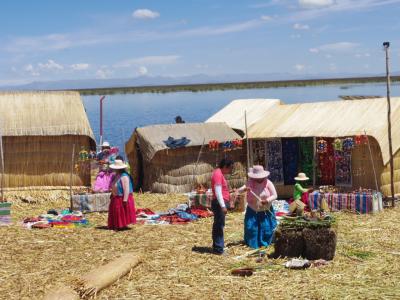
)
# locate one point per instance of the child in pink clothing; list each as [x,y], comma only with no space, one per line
[103,180]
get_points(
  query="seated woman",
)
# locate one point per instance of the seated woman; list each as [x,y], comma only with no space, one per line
[300,195]
[259,220]
[103,180]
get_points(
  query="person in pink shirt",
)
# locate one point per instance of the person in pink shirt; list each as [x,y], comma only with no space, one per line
[220,191]
[103,180]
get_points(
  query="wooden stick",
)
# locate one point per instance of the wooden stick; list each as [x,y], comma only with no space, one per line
[70,178]
[2,167]
[372,161]
[247,141]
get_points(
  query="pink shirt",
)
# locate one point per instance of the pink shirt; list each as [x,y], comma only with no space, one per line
[103,182]
[217,178]
[263,190]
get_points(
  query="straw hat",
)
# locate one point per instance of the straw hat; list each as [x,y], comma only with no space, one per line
[118,165]
[105,144]
[301,177]
[258,172]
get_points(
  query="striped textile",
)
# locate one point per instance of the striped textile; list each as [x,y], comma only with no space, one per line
[91,202]
[362,203]
[5,213]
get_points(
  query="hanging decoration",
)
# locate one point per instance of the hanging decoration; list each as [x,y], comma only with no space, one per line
[237,143]
[343,170]
[273,153]
[361,139]
[213,145]
[306,156]
[326,164]
[83,154]
[227,146]
[322,146]
[348,144]
[338,144]
[290,152]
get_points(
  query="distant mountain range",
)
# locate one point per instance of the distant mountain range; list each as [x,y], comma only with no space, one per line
[181,80]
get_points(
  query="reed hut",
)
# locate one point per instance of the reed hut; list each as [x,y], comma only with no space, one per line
[39,130]
[307,122]
[234,113]
[157,168]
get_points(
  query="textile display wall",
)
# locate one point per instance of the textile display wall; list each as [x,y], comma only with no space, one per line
[258,151]
[326,164]
[290,151]
[274,162]
[343,168]
[306,156]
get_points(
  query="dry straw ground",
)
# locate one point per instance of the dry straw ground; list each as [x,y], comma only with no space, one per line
[366,266]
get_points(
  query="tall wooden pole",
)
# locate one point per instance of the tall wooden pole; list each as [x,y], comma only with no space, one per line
[2,167]
[389,110]
[101,119]
[70,178]
[247,141]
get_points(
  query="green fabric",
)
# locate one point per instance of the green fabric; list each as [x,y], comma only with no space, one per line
[4,212]
[306,158]
[298,191]
[5,204]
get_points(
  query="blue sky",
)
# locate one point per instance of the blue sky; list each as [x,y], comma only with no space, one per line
[53,40]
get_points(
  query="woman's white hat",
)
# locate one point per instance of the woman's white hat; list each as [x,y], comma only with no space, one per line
[258,172]
[105,144]
[301,177]
[118,165]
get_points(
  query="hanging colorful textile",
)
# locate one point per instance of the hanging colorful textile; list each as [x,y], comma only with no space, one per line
[337,144]
[213,145]
[326,165]
[343,169]
[306,156]
[348,144]
[322,146]
[258,152]
[290,151]
[274,160]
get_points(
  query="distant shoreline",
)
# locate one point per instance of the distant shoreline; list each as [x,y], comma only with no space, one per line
[204,87]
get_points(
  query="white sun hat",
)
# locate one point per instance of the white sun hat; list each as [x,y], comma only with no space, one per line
[258,172]
[105,144]
[118,165]
[301,177]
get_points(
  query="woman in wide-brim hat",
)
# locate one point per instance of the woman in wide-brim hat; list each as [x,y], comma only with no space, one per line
[300,195]
[121,211]
[259,221]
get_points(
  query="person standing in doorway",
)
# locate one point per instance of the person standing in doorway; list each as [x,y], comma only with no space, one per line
[220,191]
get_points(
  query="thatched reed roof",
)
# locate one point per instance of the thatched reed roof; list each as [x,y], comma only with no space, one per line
[43,113]
[332,119]
[233,113]
[151,138]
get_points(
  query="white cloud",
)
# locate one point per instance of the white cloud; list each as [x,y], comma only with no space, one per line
[50,65]
[104,73]
[148,60]
[298,26]
[266,18]
[79,67]
[315,3]
[143,70]
[299,67]
[145,13]
[335,47]
[31,70]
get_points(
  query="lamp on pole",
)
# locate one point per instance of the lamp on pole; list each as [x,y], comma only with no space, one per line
[386,46]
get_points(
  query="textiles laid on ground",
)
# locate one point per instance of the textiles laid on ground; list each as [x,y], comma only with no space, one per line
[55,219]
[176,143]
[182,214]
[360,202]
[281,208]
[5,213]
[91,202]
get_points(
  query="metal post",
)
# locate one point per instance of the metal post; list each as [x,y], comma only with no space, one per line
[389,110]
[101,119]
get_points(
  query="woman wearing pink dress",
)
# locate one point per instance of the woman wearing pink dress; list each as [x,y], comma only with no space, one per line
[121,211]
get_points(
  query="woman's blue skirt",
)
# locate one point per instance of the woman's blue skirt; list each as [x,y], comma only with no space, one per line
[259,227]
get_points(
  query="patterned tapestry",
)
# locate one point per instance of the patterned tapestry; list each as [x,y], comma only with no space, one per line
[306,156]
[343,168]
[274,162]
[290,151]
[326,164]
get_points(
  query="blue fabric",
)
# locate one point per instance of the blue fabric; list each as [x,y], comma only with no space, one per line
[290,153]
[119,185]
[259,228]
[176,143]
[185,215]
[218,227]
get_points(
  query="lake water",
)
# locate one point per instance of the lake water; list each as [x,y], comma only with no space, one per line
[122,113]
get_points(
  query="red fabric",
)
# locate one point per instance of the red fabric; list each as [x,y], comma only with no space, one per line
[217,178]
[174,219]
[146,211]
[304,199]
[201,212]
[120,213]
[326,165]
